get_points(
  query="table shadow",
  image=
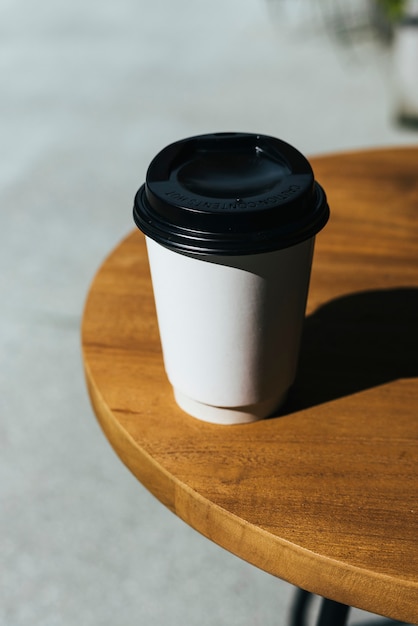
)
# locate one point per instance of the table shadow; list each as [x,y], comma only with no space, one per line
[354,343]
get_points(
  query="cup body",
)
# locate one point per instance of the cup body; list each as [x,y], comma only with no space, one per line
[230,328]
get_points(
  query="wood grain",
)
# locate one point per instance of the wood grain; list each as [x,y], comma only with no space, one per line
[325,494]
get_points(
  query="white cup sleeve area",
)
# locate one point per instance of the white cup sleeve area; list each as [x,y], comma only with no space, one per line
[230,328]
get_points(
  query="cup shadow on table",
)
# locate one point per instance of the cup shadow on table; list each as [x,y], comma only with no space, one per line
[354,343]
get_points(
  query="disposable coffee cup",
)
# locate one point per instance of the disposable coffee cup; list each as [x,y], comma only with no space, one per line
[230,221]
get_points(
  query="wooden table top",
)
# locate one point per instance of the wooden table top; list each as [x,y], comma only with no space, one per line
[324,495]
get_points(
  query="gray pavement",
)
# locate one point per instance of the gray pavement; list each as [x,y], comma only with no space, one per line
[90,91]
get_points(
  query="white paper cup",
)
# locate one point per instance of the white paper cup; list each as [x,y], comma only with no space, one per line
[230,300]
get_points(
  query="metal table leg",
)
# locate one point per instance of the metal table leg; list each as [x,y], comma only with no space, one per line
[331,613]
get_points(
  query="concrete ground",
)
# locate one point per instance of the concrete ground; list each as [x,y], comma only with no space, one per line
[90,91]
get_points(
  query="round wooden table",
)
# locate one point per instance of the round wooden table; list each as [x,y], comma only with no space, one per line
[325,494]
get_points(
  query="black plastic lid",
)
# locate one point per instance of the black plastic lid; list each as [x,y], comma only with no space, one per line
[230,194]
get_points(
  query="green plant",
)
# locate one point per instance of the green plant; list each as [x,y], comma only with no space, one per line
[393,9]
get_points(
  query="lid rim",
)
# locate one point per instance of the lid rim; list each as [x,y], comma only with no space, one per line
[197,242]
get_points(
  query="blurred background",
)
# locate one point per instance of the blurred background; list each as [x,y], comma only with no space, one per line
[90,91]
